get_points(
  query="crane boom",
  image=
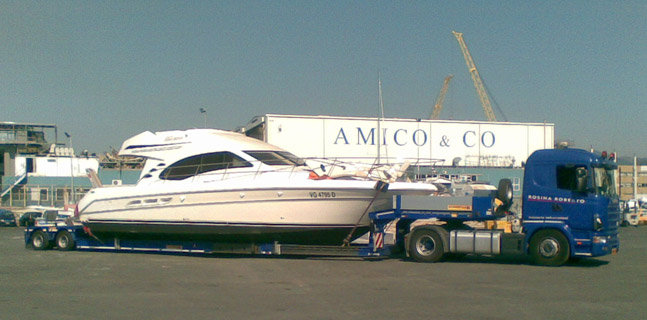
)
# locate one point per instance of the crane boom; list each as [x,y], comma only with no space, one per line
[441,97]
[478,83]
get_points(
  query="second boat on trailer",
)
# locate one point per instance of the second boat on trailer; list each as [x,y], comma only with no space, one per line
[214,185]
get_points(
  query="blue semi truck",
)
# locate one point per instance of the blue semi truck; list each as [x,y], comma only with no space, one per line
[569,210]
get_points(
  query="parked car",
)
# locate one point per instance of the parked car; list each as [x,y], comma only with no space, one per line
[29,218]
[7,218]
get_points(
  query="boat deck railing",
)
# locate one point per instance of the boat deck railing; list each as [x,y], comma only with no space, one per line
[338,167]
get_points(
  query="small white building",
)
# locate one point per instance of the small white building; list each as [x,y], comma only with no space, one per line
[56,178]
[450,142]
[61,163]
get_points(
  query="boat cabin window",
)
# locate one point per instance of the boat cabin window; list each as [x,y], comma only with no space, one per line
[202,163]
[276,158]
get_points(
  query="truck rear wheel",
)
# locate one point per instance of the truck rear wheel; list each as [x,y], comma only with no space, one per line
[65,241]
[549,248]
[39,240]
[426,246]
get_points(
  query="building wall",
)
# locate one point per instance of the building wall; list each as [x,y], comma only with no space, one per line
[468,143]
[626,181]
[45,166]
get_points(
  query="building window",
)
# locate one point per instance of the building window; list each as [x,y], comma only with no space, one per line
[39,194]
[516,184]
[79,193]
[18,194]
[60,194]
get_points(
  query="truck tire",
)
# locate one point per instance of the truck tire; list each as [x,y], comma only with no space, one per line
[426,246]
[39,240]
[504,192]
[549,248]
[65,241]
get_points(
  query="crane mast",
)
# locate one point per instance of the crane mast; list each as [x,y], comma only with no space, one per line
[478,83]
[441,97]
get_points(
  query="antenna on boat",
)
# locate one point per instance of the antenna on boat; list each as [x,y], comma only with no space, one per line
[380,109]
[204,114]
[380,118]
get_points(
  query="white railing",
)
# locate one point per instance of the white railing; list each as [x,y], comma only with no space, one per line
[347,167]
[20,177]
[357,168]
[42,194]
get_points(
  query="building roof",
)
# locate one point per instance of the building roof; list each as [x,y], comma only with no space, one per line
[11,124]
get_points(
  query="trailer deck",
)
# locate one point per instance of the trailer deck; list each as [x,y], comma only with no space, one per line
[69,235]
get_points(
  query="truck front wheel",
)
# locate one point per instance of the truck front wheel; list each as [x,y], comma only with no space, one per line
[426,246]
[549,248]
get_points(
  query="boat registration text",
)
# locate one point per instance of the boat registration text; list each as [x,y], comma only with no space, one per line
[322,194]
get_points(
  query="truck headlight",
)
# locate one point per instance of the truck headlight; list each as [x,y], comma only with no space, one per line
[599,239]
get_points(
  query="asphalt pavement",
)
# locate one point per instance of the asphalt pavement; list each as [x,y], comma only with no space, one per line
[115,285]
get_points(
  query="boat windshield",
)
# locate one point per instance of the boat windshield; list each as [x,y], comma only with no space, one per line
[276,158]
[605,184]
[202,163]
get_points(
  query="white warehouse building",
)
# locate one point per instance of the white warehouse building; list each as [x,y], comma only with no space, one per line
[372,140]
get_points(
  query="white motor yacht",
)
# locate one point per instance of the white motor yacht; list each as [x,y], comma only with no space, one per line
[205,184]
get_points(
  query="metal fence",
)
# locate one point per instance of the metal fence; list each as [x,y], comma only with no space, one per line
[42,195]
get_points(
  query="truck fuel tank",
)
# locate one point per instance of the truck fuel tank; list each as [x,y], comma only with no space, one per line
[486,242]
[475,241]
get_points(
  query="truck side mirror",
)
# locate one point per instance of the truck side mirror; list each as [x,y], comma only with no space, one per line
[581,180]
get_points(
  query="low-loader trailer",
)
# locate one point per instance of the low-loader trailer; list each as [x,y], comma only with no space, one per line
[569,210]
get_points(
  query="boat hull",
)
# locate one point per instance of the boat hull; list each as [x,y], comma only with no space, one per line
[285,234]
[291,216]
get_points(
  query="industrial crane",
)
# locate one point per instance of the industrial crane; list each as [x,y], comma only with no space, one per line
[478,83]
[441,97]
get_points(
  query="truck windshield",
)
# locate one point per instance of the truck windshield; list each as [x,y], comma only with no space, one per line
[605,184]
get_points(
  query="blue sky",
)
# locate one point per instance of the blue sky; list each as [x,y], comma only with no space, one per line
[107,70]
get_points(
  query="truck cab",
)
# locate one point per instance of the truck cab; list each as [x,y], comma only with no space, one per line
[570,205]
[569,210]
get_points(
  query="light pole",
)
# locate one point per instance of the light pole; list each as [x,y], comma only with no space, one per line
[204,115]
[69,136]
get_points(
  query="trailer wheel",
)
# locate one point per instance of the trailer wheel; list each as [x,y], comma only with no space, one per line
[549,248]
[65,241]
[40,241]
[426,246]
